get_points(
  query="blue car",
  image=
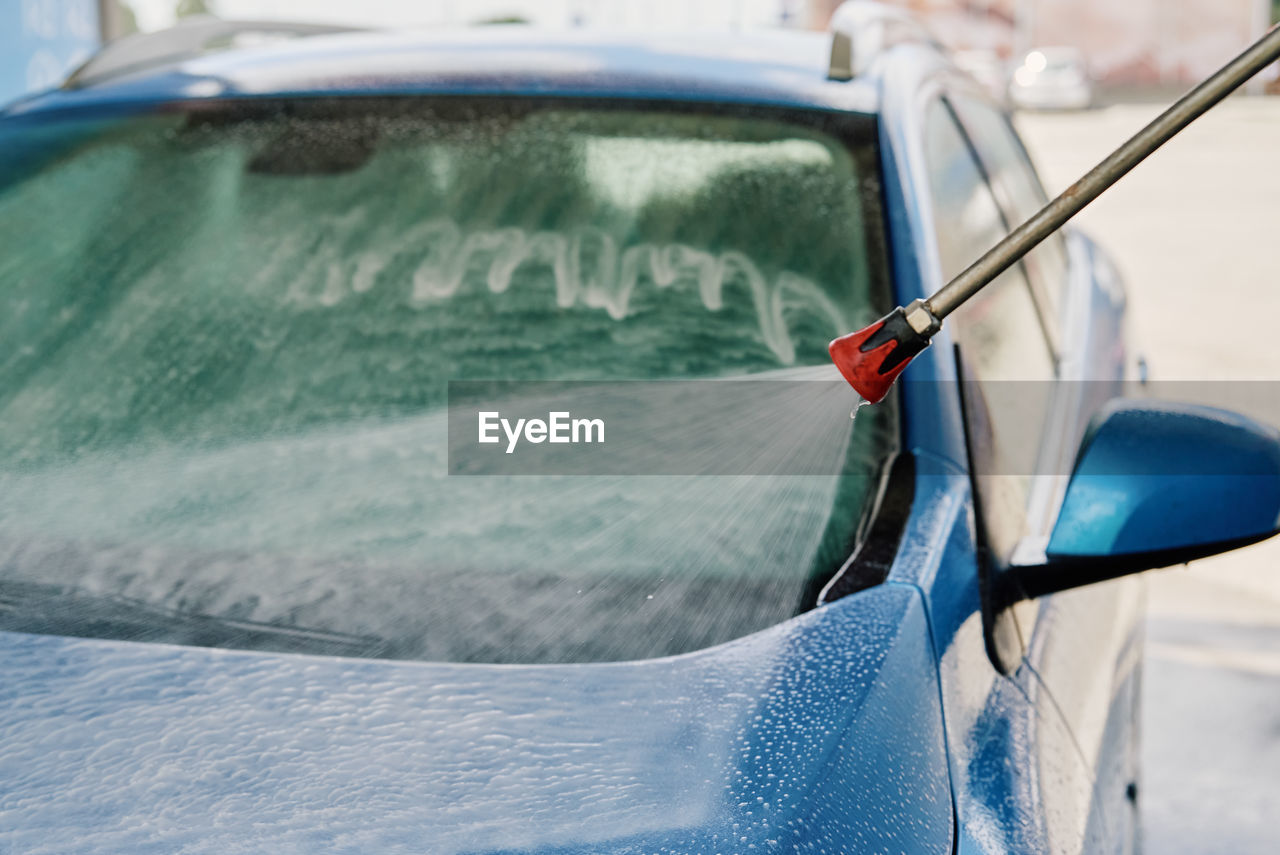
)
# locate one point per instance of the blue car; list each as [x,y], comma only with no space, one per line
[252,599]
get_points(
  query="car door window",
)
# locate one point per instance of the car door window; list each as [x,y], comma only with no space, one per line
[998,332]
[1018,191]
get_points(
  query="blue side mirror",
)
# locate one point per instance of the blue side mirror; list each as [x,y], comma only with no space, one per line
[1157,484]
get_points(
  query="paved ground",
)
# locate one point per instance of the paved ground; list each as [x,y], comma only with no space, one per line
[1195,230]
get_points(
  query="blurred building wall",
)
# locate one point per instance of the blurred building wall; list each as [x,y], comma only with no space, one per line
[1152,41]
[1128,42]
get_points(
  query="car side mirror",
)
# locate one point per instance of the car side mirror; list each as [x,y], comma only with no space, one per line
[1156,484]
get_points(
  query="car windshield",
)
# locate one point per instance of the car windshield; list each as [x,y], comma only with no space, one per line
[229,331]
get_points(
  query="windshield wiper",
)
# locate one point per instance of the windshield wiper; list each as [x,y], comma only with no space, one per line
[57,610]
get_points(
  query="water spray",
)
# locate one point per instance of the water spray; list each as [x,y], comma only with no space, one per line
[872,358]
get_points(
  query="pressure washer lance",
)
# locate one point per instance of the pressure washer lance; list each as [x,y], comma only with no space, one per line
[873,357]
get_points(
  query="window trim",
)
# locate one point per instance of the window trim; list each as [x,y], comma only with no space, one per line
[1030,270]
[1006,633]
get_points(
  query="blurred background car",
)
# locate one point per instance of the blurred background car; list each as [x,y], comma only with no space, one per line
[1052,78]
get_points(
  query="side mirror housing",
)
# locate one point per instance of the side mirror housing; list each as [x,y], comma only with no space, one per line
[1157,484]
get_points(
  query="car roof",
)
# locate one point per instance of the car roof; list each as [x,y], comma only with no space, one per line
[783,68]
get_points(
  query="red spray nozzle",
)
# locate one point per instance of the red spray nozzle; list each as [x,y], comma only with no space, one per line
[873,357]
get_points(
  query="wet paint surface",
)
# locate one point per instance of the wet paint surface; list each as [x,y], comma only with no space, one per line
[824,733]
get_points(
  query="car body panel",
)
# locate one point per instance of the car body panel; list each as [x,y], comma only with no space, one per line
[1019,780]
[125,747]
[787,70]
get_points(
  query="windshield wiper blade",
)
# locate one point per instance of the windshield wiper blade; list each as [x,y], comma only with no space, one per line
[44,609]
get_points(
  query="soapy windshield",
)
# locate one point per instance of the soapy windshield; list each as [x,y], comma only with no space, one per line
[228,333]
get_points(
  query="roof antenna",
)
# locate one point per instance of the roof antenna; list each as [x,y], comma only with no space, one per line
[873,357]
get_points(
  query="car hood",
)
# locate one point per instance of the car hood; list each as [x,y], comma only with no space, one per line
[824,731]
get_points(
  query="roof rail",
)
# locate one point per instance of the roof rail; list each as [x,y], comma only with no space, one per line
[862,30]
[188,39]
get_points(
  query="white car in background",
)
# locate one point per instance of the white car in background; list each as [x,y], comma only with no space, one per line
[1052,78]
